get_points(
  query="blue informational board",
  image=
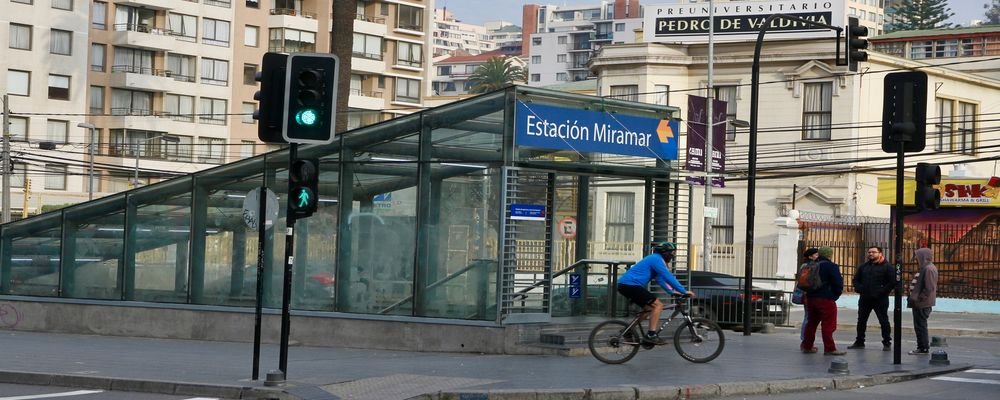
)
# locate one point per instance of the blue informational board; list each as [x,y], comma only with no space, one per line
[552,127]
[528,212]
[574,286]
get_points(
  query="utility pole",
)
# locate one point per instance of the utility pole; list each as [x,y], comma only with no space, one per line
[7,173]
[92,143]
[709,131]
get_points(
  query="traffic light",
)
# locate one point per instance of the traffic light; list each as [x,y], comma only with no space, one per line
[310,98]
[927,197]
[856,43]
[303,187]
[271,98]
[904,111]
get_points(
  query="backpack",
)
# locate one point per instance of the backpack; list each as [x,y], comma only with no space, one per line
[808,279]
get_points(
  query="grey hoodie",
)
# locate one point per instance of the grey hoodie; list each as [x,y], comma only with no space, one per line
[923,287]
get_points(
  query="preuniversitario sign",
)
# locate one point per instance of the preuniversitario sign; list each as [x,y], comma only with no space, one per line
[559,128]
[740,20]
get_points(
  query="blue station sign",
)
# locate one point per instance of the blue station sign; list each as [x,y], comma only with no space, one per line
[559,128]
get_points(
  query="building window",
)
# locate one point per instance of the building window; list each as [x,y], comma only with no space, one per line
[97,100]
[561,58]
[99,15]
[211,150]
[409,54]
[562,76]
[291,41]
[19,175]
[185,27]
[134,61]
[661,95]
[58,87]
[728,94]
[561,40]
[536,41]
[251,36]
[384,9]
[98,56]
[444,70]
[246,111]
[18,82]
[817,110]
[536,59]
[249,74]
[619,27]
[131,102]
[18,129]
[20,36]
[181,67]
[247,148]
[215,72]
[407,90]
[625,92]
[62,4]
[367,46]
[213,111]
[57,131]
[620,221]
[61,42]
[722,227]
[215,32]
[410,18]
[536,77]
[966,128]
[55,177]
[944,124]
[179,107]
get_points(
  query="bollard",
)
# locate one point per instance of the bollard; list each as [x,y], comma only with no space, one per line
[767,328]
[838,366]
[274,378]
[938,341]
[939,357]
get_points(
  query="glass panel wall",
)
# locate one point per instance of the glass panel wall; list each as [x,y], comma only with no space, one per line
[314,278]
[158,248]
[94,245]
[31,265]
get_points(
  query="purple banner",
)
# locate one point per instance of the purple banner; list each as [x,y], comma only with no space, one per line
[695,159]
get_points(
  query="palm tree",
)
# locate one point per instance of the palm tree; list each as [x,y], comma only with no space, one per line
[495,73]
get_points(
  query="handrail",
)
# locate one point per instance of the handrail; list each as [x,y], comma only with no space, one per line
[520,294]
[436,284]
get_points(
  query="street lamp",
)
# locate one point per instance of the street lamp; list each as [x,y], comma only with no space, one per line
[92,143]
[164,137]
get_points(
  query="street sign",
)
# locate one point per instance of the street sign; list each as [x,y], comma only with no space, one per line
[567,227]
[574,286]
[251,209]
[527,212]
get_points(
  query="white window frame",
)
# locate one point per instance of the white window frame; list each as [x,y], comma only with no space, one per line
[819,128]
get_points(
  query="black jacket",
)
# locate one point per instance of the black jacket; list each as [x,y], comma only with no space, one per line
[873,281]
[833,282]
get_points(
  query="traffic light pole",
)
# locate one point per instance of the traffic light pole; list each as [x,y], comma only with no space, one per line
[286,293]
[897,314]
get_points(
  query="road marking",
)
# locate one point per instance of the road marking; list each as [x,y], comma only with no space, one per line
[203,398]
[984,371]
[955,379]
[50,395]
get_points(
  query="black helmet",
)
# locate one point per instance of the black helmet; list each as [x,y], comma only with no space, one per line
[664,247]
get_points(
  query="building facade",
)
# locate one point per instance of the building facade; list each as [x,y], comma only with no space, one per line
[972,49]
[454,37]
[452,75]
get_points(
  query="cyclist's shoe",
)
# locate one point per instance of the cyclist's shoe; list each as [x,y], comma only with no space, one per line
[654,339]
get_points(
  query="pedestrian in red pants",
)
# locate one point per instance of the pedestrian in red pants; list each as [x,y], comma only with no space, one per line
[822,306]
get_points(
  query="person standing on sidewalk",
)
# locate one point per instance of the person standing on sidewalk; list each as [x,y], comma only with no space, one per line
[923,294]
[811,255]
[822,306]
[873,281]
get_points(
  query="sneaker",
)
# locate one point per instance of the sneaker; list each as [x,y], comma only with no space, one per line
[834,353]
[919,352]
[810,351]
[654,339]
[856,345]
[886,346]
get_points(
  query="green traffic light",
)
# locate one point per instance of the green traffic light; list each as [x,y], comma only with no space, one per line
[306,117]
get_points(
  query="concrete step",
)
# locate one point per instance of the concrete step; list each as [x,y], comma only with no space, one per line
[561,337]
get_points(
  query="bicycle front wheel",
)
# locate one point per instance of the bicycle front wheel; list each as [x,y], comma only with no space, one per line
[613,343]
[699,341]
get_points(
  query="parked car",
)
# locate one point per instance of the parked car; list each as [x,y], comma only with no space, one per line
[721,298]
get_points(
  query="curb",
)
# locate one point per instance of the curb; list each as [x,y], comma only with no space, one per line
[143,385]
[704,391]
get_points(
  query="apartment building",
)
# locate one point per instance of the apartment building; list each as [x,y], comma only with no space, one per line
[454,37]
[135,91]
[969,49]
[451,76]
[506,35]
[560,40]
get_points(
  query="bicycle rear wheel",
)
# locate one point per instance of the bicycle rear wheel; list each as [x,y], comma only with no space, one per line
[699,341]
[613,343]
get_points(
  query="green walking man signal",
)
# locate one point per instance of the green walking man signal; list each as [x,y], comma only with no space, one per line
[303,187]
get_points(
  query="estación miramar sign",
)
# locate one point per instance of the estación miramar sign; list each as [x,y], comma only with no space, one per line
[560,128]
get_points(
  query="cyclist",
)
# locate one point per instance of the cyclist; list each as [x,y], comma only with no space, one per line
[634,282]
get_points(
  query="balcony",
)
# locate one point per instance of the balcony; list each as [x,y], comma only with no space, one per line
[366,99]
[141,78]
[364,64]
[151,4]
[143,37]
[369,25]
[291,18]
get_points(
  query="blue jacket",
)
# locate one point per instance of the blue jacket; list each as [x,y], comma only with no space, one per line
[833,281]
[649,268]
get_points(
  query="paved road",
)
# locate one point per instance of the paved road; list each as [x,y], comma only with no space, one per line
[31,392]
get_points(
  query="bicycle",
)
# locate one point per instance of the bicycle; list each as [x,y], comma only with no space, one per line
[697,340]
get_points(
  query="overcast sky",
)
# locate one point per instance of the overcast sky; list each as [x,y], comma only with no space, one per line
[479,11]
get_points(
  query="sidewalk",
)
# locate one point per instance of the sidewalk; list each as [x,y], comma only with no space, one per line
[756,364]
[947,324]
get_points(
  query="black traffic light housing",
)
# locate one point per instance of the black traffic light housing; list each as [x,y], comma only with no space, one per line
[303,187]
[904,111]
[310,98]
[270,114]
[926,196]
[856,43]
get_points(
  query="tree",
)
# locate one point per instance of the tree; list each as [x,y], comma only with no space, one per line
[920,14]
[992,13]
[495,73]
